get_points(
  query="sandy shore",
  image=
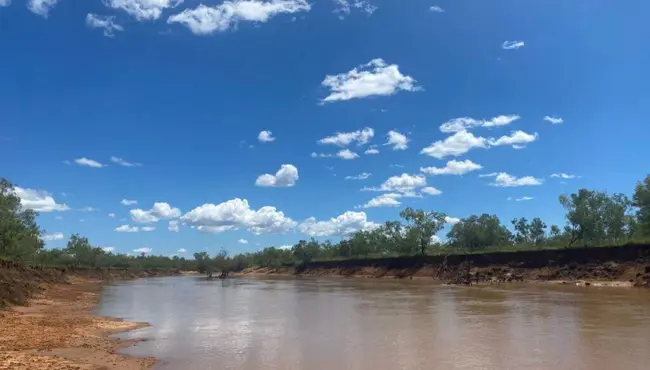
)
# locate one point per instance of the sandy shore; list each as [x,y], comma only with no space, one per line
[59,331]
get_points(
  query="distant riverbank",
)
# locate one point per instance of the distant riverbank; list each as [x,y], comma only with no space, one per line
[614,266]
[50,323]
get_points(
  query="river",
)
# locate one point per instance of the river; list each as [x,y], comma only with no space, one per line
[312,324]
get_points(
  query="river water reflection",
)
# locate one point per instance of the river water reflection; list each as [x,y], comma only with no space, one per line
[311,324]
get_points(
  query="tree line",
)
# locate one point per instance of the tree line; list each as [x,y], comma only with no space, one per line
[593,218]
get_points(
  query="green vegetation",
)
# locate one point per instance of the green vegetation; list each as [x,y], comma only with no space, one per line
[594,219]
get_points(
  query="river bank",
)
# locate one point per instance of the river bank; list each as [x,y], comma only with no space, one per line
[604,266]
[50,324]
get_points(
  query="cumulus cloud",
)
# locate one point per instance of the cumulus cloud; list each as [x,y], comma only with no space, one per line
[173,226]
[88,162]
[321,155]
[455,145]
[237,214]
[452,220]
[402,184]
[286,176]
[182,250]
[345,6]
[38,200]
[143,250]
[562,175]
[108,249]
[436,9]
[516,139]
[111,215]
[375,78]
[347,154]
[160,210]
[143,10]
[503,179]
[242,241]
[384,200]
[466,123]
[453,167]
[41,7]
[361,176]
[52,237]
[512,45]
[524,199]
[104,22]
[345,224]
[129,202]
[343,139]
[371,151]
[430,190]
[127,229]
[265,136]
[397,140]
[147,228]
[205,20]
[124,163]
[5,2]
[554,120]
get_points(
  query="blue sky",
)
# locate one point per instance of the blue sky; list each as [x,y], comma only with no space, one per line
[178,94]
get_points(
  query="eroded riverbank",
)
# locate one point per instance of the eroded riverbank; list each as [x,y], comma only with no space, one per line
[605,266]
[50,322]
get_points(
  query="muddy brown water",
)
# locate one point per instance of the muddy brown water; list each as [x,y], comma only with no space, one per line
[308,323]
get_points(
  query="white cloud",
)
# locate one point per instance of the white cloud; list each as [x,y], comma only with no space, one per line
[104,22]
[361,176]
[160,210]
[5,2]
[455,145]
[430,190]
[286,176]
[129,202]
[371,151]
[38,200]
[124,163]
[524,199]
[562,175]
[143,10]
[143,250]
[52,237]
[516,138]
[347,154]
[397,140]
[88,162]
[285,247]
[88,209]
[205,20]
[127,229]
[436,9]
[321,155]
[554,120]
[503,179]
[375,78]
[237,214]
[345,224]
[173,226]
[343,139]
[182,250]
[512,45]
[344,7]
[108,249]
[147,228]
[453,167]
[41,7]
[111,215]
[466,123]
[384,200]
[452,220]
[242,241]
[265,136]
[402,183]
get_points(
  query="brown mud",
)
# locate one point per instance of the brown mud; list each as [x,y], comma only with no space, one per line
[602,266]
[55,327]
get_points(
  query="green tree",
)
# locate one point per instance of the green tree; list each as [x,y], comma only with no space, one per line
[641,200]
[422,226]
[478,232]
[19,232]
